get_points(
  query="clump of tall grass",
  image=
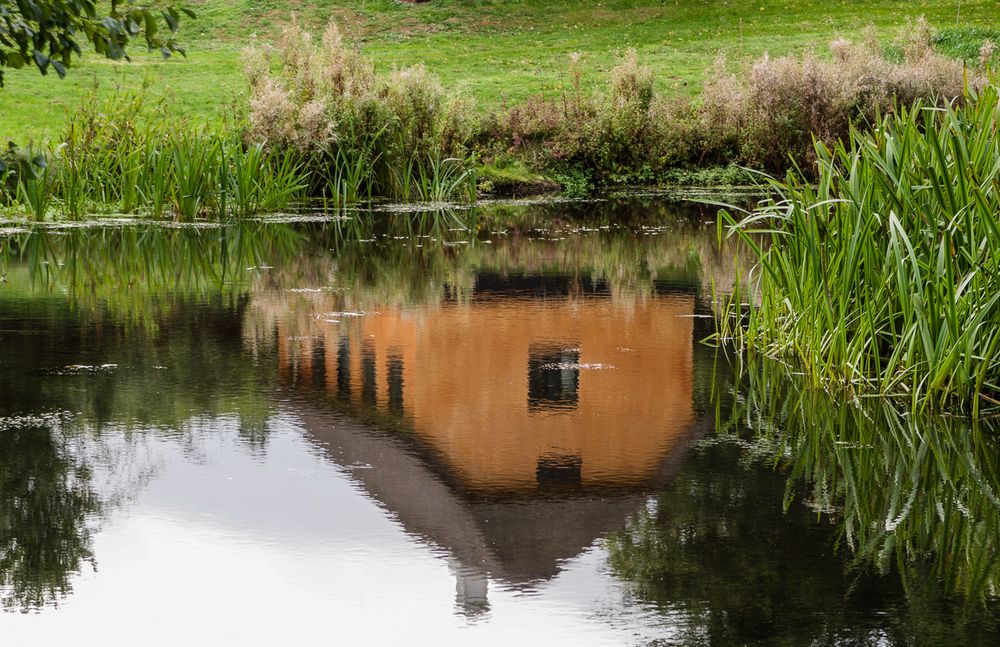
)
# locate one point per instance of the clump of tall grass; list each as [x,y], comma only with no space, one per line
[884,276]
[362,131]
[24,178]
[126,156]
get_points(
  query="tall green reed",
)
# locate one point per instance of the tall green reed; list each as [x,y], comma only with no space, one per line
[884,276]
[34,189]
[73,182]
[282,179]
[242,179]
[195,166]
[25,181]
[348,177]
[444,180]
[252,180]
[156,179]
[205,175]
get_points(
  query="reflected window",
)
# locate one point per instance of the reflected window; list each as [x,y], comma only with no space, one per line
[559,473]
[553,377]
[394,378]
[343,368]
[319,363]
[368,392]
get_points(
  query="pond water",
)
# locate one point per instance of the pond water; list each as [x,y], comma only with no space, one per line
[489,426]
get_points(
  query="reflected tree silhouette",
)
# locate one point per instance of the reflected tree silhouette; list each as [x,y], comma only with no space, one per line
[47,506]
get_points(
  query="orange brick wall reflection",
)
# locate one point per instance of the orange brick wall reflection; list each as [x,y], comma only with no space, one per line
[465,382]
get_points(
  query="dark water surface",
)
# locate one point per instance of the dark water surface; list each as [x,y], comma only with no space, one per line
[488,427]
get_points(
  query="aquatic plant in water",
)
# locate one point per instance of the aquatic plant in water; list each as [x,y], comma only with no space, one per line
[121,271]
[884,276]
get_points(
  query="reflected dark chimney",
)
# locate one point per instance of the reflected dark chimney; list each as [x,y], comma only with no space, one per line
[559,474]
[319,363]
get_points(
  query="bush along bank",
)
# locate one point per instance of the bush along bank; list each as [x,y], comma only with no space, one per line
[883,277]
[380,133]
[321,121]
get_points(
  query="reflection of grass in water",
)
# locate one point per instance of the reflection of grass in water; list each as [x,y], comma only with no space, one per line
[421,258]
[165,305]
[909,503]
[915,491]
[141,285]
[134,272]
[401,258]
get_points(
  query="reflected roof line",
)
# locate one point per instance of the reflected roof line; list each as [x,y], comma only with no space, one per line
[517,541]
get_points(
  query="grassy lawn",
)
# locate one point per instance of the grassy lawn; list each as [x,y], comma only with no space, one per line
[497,49]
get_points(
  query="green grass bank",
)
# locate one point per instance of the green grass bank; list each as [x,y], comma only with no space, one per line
[499,50]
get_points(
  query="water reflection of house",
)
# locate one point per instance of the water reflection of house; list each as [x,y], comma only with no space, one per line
[535,417]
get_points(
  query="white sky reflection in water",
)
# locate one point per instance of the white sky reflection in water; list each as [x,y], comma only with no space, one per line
[291,550]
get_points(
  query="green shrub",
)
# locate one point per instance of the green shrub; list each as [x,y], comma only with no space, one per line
[777,105]
[383,133]
[763,115]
